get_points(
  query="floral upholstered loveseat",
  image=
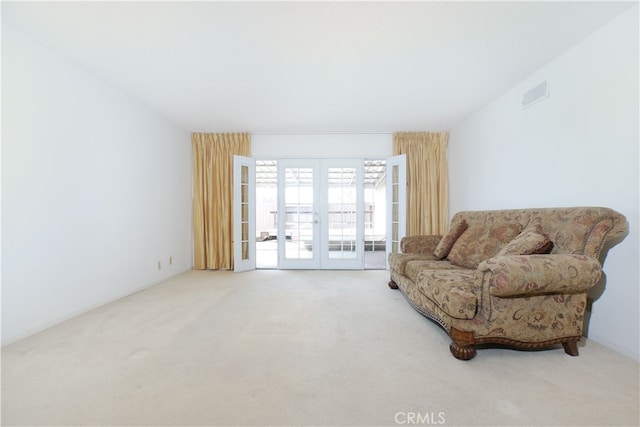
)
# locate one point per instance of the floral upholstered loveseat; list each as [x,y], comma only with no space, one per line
[510,277]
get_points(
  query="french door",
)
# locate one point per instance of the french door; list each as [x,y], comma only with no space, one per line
[320,214]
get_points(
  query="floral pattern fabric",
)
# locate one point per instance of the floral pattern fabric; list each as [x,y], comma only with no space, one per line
[398,262]
[419,244]
[528,242]
[528,299]
[451,290]
[415,267]
[480,242]
[540,274]
[445,245]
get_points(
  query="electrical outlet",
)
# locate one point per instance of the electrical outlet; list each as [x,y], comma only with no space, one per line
[159,265]
[170,260]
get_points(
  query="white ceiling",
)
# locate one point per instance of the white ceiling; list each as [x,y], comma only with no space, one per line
[295,67]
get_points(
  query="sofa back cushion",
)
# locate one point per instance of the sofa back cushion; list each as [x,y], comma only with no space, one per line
[480,242]
[573,230]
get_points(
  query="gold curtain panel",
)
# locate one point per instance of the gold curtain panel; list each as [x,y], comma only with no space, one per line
[213,196]
[427,180]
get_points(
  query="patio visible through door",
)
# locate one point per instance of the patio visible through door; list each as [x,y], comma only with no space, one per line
[324,213]
[322,220]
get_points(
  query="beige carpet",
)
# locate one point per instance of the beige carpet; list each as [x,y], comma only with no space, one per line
[295,348]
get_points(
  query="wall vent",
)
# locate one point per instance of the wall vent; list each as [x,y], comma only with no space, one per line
[534,95]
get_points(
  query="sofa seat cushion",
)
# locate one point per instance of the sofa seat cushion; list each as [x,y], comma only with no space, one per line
[398,261]
[414,267]
[451,290]
[479,243]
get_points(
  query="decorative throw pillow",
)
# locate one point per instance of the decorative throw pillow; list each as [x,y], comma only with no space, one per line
[478,243]
[445,244]
[527,243]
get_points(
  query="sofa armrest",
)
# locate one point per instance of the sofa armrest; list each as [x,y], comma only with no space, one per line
[419,244]
[540,274]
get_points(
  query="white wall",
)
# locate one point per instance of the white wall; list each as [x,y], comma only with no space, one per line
[307,146]
[577,147]
[96,190]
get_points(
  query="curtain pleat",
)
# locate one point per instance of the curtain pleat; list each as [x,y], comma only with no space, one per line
[427,180]
[213,196]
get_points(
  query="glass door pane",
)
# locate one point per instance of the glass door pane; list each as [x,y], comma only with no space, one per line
[297,214]
[342,219]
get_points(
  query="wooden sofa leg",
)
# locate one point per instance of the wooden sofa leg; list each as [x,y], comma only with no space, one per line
[392,284]
[571,347]
[462,344]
